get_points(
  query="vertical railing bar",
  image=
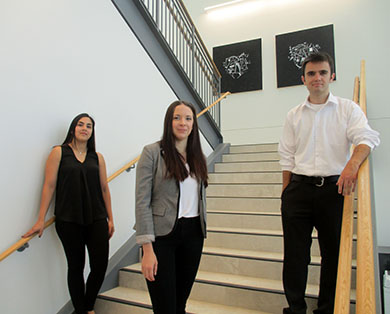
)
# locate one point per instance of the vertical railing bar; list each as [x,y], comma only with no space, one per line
[170,24]
[181,36]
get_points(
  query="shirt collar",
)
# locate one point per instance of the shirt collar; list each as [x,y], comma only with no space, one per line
[331,100]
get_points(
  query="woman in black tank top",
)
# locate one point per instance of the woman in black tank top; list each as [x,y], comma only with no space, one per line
[77,173]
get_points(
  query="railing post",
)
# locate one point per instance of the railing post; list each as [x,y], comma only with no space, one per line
[193,54]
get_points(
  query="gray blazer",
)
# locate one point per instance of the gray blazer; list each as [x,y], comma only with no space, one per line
[157,198]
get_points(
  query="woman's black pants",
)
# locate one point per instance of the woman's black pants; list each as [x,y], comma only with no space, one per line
[75,238]
[178,256]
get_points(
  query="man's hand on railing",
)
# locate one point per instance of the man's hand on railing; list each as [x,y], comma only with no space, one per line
[37,228]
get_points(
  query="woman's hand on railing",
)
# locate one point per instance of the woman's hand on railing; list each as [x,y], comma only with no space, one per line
[37,228]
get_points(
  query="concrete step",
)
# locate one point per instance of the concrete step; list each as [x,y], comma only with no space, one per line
[248,219]
[251,157]
[255,264]
[246,177]
[256,240]
[260,204]
[231,290]
[242,219]
[254,148]
[244,190]
[123,300]
[251,166]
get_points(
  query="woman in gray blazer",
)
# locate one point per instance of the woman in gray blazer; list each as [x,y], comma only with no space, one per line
[171,209]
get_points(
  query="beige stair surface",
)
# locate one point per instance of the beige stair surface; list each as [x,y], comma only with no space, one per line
[244,219]
[244,190]
[270,204]
[245,177]
[242,260]
[132,301]
[251,157]
[253,166]
[253,148]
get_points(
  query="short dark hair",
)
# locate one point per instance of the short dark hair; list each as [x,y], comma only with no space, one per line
[318,57]
[70,136]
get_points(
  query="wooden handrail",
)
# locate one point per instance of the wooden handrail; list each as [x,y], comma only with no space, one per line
[49,222]
[343,286]
[365,283]
[213,104]
[23,241]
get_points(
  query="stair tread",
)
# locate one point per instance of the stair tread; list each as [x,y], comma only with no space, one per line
[272,256]
[250,254]
[255,231]
[244,212]
[141,297]
[245,230]
[244,282]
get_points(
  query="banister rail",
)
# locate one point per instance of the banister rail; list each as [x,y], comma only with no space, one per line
[129,165]
[343,286]
[365,282]
[365,289]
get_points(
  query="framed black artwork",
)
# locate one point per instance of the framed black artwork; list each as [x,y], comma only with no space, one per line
[240,66]
[293,48]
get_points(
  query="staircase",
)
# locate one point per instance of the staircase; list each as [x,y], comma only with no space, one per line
[241,266]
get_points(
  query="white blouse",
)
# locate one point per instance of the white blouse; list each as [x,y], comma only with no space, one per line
[189,198]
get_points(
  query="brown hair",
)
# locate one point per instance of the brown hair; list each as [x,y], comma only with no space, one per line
[316,58]
[173,160]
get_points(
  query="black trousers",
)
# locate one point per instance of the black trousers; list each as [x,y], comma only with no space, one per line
[178,256]
[305,206]
[75,238]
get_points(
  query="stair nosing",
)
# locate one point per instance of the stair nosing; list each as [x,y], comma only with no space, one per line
[147,305]
[257,255]
[235,212]
[258,284]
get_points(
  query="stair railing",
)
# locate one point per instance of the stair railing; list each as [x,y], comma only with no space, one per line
[179,34]
[365,282]
[23,242]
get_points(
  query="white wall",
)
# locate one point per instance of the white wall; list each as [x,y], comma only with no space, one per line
[58,59]
[361,32]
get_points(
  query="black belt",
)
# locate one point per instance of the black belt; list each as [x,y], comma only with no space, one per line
[318,181]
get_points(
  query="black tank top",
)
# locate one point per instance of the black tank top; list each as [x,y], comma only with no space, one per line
[79,197]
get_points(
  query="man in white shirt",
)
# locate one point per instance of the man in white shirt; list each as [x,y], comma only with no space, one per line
[317,172]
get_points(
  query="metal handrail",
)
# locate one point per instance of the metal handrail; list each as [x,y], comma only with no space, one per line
[365,282]
[22,242]
[176,29]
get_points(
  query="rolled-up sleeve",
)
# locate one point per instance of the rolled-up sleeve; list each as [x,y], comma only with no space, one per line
[359,131]
[143,211]
[287,146]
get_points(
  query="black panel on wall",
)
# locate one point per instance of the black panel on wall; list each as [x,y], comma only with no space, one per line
[240,66]
[293,48]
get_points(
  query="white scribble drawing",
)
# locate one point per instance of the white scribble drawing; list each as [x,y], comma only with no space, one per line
[299,52]
[237,66]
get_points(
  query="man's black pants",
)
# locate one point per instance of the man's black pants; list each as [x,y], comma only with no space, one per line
[304,206]
[178,256]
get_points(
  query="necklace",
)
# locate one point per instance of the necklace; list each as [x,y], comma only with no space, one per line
[79,151]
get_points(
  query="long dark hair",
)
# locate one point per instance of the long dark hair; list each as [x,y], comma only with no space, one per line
[173,160]
[70,136]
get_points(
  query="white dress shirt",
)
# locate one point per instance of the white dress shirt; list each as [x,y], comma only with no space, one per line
[316,139]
